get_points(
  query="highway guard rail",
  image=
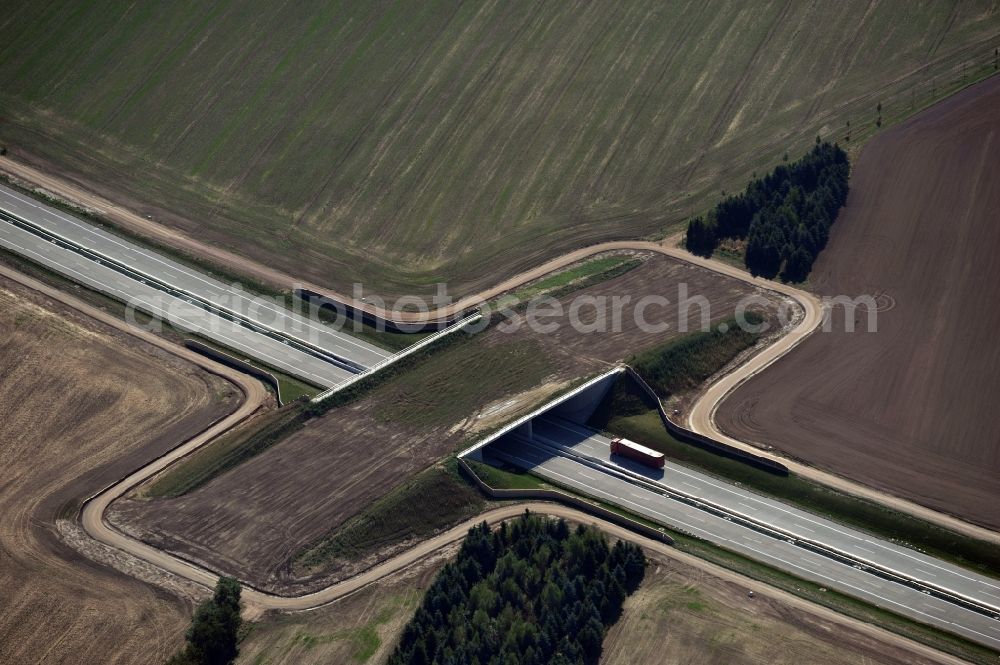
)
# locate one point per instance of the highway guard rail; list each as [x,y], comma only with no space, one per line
[178,292]
[566,499]
[763,528]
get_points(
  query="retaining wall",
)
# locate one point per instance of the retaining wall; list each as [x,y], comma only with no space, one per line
[566,499]
[704,442]
[235,363]
[370,319]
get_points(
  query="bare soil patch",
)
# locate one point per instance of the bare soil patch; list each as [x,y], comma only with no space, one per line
[361,628]
[80,406]
[682,614]
[911,408]
[253,520]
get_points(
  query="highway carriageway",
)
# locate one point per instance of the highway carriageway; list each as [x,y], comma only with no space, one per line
[50,237]
[178,311]
[890,576]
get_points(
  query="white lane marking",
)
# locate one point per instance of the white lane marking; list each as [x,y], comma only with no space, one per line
[770,556]
[891,550]
[182,270]
[177,318]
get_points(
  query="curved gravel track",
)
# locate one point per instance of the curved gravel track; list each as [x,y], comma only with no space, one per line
[701,418]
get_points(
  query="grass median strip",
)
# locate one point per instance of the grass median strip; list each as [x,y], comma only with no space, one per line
[844,604]
[978,555]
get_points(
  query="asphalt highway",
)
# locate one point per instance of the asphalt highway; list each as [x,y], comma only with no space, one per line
[291,342]
[701,417]
[801,524]
[284,339]
[779,552]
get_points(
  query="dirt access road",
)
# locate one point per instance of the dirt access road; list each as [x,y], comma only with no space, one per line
[680,614]
[254,521]
[81,404]
[911,409]
[702,415]
[137,224]
[257,602]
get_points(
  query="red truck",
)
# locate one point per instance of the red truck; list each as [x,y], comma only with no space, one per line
[637,452]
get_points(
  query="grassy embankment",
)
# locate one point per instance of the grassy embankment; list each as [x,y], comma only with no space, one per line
[387,339]
[507,478]
[682,365]
[433,388]
[461,381]
[847,605]
[289,387]
[227,452]
[578,276]
[434,499]
[437,386]
[677,366]
[457,382]
[860,513]
[457,375]
[254,288]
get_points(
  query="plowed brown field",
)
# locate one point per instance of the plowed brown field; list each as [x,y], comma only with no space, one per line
[80,406]
[251,521]
[911,408]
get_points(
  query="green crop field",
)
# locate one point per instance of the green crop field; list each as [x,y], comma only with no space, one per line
[403,143]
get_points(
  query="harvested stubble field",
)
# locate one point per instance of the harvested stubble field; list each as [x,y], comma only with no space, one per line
[681,614]
[361,628]
[402,144]
[254,520]
[912,408]
[80,406]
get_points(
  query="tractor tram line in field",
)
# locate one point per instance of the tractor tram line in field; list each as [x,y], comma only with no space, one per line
[123,275]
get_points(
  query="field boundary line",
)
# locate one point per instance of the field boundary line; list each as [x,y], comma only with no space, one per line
[410,350]
[255,395]
[702,415]
[701,418]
